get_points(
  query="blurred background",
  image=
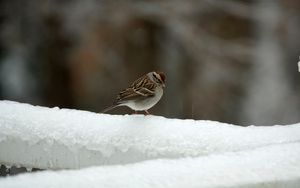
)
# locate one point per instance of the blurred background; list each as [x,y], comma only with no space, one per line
[233,61]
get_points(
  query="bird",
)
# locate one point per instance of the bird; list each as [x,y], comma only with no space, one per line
[142,94]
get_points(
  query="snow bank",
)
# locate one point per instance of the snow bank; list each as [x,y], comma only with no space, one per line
[268,167]
[186,153]
[53,138]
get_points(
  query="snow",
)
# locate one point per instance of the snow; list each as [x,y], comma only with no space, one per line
[299,64]
[143,151]
[271,166]
[53,138]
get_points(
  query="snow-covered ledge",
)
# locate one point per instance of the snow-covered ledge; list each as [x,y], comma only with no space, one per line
[149,151]
[53,138]
[265,167]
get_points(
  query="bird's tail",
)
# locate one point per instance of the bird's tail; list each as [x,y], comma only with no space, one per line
[109,108]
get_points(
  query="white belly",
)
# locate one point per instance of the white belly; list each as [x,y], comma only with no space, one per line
[146,103]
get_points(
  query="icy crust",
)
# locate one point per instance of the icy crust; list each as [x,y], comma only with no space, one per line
[53,138]
[265,167]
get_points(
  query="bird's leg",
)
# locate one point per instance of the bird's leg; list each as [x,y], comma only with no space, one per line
[135,112]
[147,113]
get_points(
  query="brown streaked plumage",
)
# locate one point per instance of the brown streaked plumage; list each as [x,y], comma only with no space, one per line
[142,94]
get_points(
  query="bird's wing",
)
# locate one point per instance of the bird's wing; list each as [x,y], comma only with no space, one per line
[138,91]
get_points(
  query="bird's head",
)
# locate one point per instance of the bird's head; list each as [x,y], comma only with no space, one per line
[158,77]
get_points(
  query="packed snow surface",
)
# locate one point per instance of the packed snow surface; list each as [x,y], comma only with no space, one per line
[53,138]
[143,151]
[273,166]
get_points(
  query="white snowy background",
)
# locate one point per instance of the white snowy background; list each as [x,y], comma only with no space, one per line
[85,149]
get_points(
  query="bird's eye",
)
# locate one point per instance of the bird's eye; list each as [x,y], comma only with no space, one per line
[156,79]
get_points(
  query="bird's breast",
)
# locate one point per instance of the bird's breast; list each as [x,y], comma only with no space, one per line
[146,103]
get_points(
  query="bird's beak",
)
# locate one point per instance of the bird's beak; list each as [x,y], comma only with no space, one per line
[163,85]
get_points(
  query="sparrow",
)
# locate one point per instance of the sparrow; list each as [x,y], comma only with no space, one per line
[142,94]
